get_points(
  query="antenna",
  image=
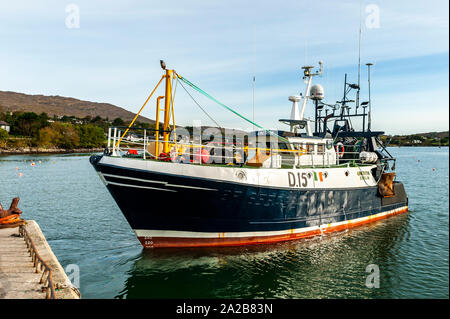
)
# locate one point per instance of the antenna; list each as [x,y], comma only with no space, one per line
[359,55]
[306,50]
[370,101]
[253,84]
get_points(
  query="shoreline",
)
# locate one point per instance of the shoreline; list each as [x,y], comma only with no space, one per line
[43,151]
[417,146]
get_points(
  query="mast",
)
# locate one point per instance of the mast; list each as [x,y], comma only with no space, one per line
[359,58]
[344,100]
[167,102]
[157,127]
[297,119]
[308,75]
[253,102]
[369,121]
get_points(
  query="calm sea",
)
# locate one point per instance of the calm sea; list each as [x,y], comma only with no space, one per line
[84,226]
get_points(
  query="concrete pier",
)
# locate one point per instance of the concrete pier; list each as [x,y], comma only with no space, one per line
[19,278]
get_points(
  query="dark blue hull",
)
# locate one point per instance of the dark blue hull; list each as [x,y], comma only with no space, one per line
[202,205]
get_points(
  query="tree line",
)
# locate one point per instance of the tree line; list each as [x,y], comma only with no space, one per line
[69,132]
[416,140]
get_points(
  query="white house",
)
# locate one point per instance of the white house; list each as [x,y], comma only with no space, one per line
[5,126]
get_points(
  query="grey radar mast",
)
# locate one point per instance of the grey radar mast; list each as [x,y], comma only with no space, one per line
[297,119]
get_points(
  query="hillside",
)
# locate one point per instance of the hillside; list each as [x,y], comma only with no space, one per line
[419,139]
[434,134]
[60,106]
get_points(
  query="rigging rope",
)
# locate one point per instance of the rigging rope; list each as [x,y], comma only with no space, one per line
[228,108]
[204,111]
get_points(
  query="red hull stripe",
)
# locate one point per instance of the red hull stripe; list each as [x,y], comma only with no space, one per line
[239,241]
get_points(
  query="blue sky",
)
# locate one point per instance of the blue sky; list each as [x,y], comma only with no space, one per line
[219,45]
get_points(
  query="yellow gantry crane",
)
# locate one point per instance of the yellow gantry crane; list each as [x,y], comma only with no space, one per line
[168,106]
[169,96]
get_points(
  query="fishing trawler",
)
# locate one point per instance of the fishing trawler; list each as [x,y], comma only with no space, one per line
[179,190]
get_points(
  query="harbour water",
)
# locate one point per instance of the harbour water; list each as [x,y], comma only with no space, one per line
[84,226]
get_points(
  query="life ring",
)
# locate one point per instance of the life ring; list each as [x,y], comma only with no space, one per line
[339,148]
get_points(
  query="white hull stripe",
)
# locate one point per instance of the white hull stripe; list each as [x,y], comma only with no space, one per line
[133,178]
[146,187]
[342,177]
[152,181]
[322,228]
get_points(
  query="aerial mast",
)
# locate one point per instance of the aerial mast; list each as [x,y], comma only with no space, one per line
[369,122]
[359,58]
[308,75]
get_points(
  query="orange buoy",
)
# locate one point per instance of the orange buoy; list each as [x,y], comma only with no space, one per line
[202,155]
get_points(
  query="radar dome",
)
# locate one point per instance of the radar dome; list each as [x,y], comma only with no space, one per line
[316,92]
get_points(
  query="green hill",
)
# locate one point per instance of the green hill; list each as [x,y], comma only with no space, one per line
[63,106]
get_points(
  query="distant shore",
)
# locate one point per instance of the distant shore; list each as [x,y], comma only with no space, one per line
[414,146]
[40,150]
[417,146]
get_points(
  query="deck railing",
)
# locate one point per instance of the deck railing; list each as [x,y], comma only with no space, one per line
[40,265]
[302,155]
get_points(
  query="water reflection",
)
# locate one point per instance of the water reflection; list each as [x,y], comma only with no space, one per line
[332,266]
